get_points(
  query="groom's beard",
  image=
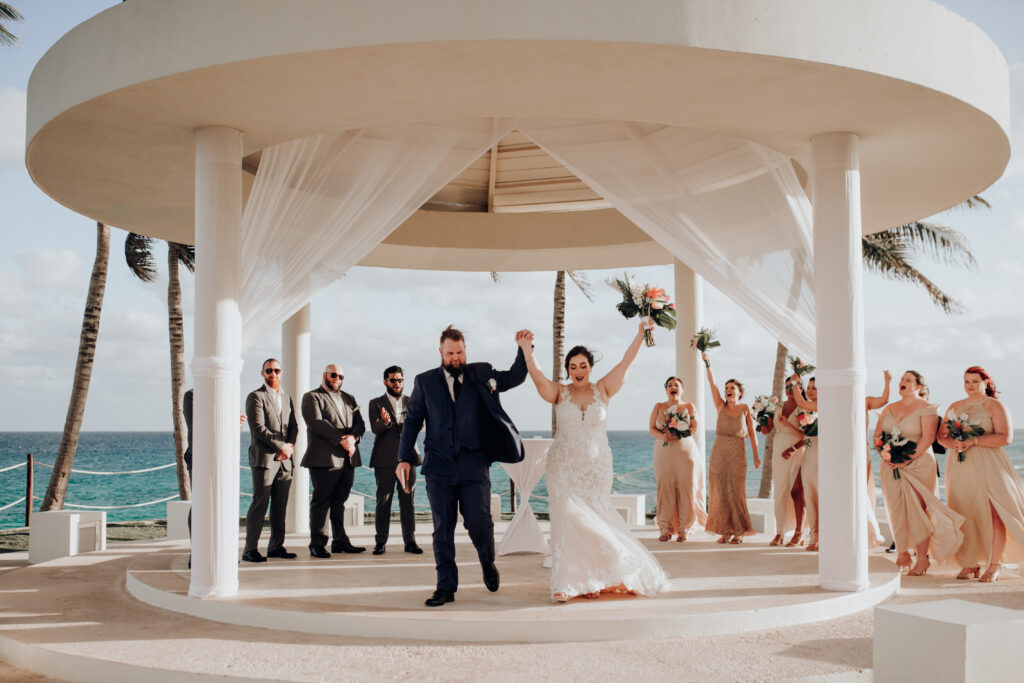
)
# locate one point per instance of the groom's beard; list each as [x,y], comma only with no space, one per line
[453,370]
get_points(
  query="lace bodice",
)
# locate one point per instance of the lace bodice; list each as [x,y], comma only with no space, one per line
[580,459]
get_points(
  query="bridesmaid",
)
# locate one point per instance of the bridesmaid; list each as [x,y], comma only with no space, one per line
[984,488]
[678,468]
[787,456]
[874,403]
[808,400]
[727,469]
[917,517]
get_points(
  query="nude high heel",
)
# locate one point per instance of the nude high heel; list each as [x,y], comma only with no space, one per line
[916,572]
[991,574]
[968,572]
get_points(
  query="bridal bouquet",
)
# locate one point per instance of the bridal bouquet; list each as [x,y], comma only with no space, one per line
[764,409]
[677,423]
[961,428]
[800,367]
[895,448]
[645,301]
[808,422]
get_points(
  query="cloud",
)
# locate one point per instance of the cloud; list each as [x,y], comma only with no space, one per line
[50,267]
[12,125]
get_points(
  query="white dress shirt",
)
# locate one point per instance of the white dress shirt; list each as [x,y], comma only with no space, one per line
[276,395]
[451,382]
[396,407]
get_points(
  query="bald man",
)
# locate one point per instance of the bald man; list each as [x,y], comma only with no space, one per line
[334,427]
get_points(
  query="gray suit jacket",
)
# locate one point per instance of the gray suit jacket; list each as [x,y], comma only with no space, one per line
[270,429]
[325,426]
[386,437]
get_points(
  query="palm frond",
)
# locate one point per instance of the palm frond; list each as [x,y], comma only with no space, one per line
[975,202]
[935,241]
[186,255]
[888,258]
[496,277]
[8,13]
[580,279]
[138,254]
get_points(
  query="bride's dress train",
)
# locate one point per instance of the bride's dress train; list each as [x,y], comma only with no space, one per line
[592,549]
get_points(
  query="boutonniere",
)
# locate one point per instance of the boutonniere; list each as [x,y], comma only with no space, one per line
[492,384]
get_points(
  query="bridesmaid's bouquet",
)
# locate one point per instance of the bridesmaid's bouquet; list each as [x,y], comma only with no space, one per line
[764,409]
[704,340]
[677,423]
[895,448]
[961,428]
[645,301]
[808,421]
[800,367]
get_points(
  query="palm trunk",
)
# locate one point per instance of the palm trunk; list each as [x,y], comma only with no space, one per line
[769,443]
[177,335]
[558,336]
[57,489]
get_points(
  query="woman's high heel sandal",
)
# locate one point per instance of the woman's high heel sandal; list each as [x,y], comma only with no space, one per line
[724,538]
[560,597]
[796,540]
[680,537]
[920,572]
[736,540]
[665,537]
[968,572]
[991,574]
[903,560]
[777,540]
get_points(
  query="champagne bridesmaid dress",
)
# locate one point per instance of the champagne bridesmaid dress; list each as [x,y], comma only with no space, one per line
[785,472]
[915,512]
[679,471]
[985,480]
[727,478]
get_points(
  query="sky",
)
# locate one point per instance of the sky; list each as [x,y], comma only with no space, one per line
[46,263]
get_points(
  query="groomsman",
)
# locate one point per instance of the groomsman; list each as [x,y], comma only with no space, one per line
[387,414]
[334,427]
[273,429]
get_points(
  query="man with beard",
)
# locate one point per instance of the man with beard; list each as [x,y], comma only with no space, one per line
[334,426]
[387,416]
[467,430]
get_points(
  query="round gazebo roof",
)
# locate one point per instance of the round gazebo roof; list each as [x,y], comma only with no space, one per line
[113,105]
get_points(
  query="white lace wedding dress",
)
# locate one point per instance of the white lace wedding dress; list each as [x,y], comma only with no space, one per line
[591,547]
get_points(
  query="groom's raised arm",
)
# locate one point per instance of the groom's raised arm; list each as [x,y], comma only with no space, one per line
[514,376]
[415,415]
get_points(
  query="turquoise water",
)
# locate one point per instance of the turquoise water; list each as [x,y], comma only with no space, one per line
[118,451]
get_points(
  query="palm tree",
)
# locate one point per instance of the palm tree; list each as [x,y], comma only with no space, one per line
[57,489]
[138,254]
[891,253]
[558,324]
[8,13]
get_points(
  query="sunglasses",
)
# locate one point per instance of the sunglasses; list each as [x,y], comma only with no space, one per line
[273,371]
[396,381]
[334,375]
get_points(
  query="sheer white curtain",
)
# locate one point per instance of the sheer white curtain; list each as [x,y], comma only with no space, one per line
[730,209]
[320,204]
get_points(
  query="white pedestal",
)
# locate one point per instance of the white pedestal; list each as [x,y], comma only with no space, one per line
[632,507]
[354,512]
[177,519]
[62,533]
[946,641]
[762,515]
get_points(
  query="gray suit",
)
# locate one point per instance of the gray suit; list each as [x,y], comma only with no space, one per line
[384,460]
[331,469]
[270,430]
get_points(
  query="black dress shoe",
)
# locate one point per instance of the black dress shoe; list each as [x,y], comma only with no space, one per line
[491,577]
[346,548]
[413,548]
[253,556]
[318,551]
[378,549]
[439,598]
[282,554]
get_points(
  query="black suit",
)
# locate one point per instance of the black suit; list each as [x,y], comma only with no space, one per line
[383,460]
[463,438]
[331,469]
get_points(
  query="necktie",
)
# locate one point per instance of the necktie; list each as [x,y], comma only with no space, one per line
[457,387]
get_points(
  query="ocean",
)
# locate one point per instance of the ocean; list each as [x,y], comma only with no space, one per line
[121,451]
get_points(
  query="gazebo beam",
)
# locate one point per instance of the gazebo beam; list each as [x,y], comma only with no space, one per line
[835,192]
[217,362]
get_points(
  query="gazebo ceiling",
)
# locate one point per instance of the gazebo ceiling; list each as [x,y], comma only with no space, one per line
[113,105]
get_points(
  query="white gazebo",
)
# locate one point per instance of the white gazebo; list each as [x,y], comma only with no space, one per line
[750,142]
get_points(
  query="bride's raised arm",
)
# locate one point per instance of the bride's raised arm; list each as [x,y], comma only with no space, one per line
[616,377]
[547,389]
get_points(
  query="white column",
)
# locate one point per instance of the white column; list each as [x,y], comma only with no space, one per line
[216,364]
[838,294]
[689,367]
[295,360]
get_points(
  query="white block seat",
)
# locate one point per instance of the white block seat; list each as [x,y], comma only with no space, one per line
[948,641]
[354,508]
[63,533]
[177,519]
[762,515]
[632,507]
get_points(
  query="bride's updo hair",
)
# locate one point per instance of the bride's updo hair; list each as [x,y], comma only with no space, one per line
[578,351]
[678,379]
[990,385]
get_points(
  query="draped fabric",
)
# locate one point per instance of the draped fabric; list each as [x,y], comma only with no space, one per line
[321,204]
[731,210]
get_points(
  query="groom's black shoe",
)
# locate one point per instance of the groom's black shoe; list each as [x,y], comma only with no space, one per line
[346,548]
[439,598]
[319,551]
[491,576]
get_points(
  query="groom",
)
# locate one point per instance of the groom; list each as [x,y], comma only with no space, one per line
[467,430]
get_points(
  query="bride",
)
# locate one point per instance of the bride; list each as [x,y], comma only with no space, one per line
[592,549]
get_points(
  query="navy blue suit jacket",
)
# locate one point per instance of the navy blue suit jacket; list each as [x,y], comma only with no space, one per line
[476,423]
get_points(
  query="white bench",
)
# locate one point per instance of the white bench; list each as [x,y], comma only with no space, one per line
[948,640]
[177,519]
[762,515]
[632,507]
[63,533]
[354,512]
